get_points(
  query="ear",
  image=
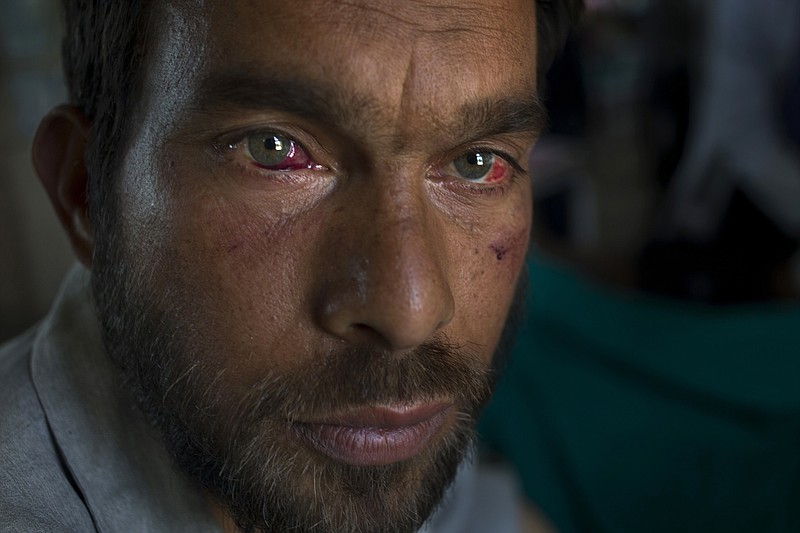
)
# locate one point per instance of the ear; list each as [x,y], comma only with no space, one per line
[59,157]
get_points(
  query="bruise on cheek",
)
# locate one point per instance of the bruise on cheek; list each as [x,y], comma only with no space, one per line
[510,247]
[500,250]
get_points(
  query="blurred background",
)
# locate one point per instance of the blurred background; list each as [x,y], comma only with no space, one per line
[655,383]
[34,253]
[672,163]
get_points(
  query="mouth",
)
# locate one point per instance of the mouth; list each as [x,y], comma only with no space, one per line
[375,435]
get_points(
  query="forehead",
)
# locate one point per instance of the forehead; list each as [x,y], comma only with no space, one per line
[411,56]
[364,38]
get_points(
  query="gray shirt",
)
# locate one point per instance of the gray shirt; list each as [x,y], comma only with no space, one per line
[77,455]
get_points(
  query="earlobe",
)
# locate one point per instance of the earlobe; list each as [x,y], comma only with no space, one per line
[59,157]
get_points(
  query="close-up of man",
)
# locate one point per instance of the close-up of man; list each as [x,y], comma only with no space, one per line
[301,228]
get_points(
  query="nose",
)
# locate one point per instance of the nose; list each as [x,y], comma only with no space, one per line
[386,279]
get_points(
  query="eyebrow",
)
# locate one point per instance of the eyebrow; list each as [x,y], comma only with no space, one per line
[489,117]
[332,105]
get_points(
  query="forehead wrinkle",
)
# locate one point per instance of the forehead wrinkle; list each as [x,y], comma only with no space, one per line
[431,17]
[454,28]
[477,114]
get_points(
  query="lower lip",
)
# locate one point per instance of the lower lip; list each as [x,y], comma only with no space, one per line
[372,446]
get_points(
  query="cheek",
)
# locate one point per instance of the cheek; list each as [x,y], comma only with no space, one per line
[239,272]
[509,250]
[506,244]
[494,261]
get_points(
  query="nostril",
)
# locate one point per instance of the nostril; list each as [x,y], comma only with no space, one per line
[367,333]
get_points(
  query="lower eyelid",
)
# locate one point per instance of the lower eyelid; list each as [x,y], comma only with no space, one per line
[264,177]
[487,189]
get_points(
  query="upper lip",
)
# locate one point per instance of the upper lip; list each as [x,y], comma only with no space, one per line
[383,416]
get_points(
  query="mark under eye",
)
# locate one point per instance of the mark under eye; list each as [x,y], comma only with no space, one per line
[275,151]
[480,166]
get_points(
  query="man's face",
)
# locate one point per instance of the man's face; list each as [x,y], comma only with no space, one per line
[321,219]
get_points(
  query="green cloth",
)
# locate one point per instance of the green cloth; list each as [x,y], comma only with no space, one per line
[629,413]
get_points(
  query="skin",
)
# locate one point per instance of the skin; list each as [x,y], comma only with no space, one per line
[381,244]
[372,251]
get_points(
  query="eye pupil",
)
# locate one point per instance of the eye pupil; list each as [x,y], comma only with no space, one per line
[475,159]
[269,149]
[474,165]
[273,143]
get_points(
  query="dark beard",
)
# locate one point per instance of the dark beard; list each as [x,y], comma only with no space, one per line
[239,449]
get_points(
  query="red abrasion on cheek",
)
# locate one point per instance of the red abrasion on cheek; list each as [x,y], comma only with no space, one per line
[500,250]
[510,248]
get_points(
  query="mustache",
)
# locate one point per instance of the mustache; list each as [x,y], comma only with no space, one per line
[354,377]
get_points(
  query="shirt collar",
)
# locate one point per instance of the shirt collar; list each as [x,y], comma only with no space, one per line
[116,459]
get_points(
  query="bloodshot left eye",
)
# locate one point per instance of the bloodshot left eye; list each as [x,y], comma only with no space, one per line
[275,151]
[269,149]
[480,167]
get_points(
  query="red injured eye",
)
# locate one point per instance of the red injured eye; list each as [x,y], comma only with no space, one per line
[481,167]
[275,151]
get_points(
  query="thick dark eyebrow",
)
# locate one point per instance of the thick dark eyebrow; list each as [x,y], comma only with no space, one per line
[249,91]
[333,106]
[492,117]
